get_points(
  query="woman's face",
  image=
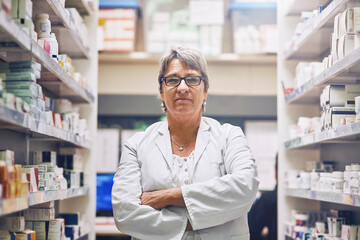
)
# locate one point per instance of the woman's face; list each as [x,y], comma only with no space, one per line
[182,100]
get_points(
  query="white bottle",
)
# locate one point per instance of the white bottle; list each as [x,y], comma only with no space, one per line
[43,25]
[54,49]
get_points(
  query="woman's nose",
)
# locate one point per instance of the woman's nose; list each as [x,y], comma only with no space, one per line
[183,87]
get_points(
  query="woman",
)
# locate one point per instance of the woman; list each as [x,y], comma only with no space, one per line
[188,177]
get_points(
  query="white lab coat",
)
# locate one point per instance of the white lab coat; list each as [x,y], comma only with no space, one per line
[224,184]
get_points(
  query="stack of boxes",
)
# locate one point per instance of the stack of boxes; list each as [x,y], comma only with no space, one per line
[71,160]
[12,182]
[117,30]
[44,173]
[41,219]
[72,225]
[21,91]
[21,12]
[338,105]
[345,37]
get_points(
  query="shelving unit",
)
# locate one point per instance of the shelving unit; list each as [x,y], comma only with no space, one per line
[12,37]
[11,205]
[47,196]
[338,145]
[60,23]
[21,133]
[83,6]
[339,198]
[349,133]
[294,7]
[24,123]
[53,77]
[345,71]
[314,42]
[144,57]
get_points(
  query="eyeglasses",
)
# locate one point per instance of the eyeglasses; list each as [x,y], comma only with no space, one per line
[174,81]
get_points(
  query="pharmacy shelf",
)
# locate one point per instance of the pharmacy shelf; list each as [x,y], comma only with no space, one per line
[345,71]
[82,6]
[144,57]
[339,198]
[10,205]
[238,5]
[69,39]
[54,78]
[21,122]
[47,196]
[295,7]
[349,132]
[118,4]
[314,43]
[58,82]
[43,130]
[12,119]
[12,37]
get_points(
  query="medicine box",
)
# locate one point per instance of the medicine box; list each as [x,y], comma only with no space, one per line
[335,114]
[346,45]
[39,214]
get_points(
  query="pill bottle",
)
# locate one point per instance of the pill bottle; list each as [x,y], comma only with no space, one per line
[43,25]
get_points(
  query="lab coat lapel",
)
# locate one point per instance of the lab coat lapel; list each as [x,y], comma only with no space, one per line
[202,140]
[163,143]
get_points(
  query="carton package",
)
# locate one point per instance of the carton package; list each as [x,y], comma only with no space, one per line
[337,26]
[346,45]
[339,96]
[21,65]
[70,218]
[349,21]
[32,176]
[26,235]
[8,156]
[39,214]
[22,76]
[41,229]
[56,229]
[335,114]
[72,232]
[6,235]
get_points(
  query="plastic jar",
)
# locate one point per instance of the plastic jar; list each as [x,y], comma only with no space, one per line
[43,25]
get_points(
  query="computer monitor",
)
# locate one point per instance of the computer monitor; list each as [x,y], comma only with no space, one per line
[104,183]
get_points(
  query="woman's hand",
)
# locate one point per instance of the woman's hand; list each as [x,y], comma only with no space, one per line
[163,198]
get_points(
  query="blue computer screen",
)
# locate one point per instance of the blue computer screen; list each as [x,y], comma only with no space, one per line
[104,183]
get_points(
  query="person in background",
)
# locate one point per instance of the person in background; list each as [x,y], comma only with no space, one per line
[263,214]
[188,177]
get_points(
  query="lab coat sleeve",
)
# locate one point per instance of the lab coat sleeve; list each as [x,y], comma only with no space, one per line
[222,199]
[132,218]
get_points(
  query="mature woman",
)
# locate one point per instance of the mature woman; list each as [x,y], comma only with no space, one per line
[188,177]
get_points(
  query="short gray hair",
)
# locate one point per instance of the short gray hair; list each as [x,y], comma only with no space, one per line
[191,57]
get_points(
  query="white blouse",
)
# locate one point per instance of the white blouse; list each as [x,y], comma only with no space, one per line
[183,170]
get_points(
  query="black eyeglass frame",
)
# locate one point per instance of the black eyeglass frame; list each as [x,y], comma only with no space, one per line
[163,79]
